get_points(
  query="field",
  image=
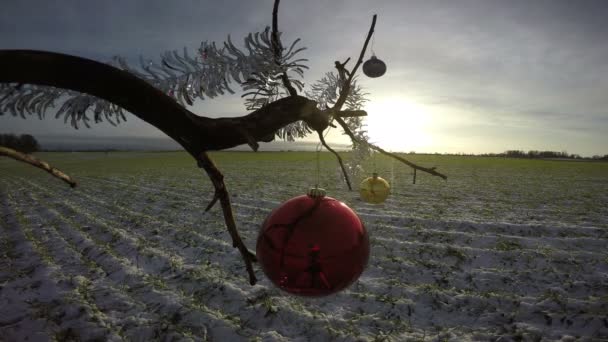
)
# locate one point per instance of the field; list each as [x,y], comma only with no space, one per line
[505,250]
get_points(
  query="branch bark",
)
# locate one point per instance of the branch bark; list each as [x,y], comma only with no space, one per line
[346,87]
[278,48]
[222,194]
[337,157]
[195,133]
[29,159]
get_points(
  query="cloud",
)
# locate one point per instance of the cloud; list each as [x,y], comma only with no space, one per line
[538,64]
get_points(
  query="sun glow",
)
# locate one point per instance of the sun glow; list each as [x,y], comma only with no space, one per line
[398,125]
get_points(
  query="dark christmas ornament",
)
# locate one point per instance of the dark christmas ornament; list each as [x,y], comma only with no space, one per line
[313,245]
[374,67]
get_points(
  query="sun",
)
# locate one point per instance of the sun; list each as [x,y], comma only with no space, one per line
[397,124]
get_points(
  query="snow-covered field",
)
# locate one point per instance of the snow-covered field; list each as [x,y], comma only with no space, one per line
[506,250]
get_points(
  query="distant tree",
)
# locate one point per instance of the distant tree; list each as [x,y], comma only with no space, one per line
[598,157]
[267,71]
[515,154]
[24,143]
[28,143]
[10,140]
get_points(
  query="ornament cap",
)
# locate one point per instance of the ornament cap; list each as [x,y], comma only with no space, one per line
[316,192]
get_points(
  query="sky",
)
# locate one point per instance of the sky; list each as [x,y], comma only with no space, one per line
[462,76]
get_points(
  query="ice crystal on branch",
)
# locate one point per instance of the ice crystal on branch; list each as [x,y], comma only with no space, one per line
[186,78]
[32,99]
[327,90]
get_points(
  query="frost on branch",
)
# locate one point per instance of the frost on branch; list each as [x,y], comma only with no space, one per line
[209,73]
[19,99]
[326,92]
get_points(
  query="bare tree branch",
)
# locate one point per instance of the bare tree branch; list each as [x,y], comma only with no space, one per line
[26,158]
[194,133]
[337,157]
[213,201]
[346,87]
[278,48]
[403,160]
[220,190]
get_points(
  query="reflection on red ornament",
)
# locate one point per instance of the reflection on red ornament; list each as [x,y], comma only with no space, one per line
[313,245]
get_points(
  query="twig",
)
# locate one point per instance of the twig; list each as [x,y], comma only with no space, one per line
[338,157]
[222,193]
[403,160]
[346,88]
[213,201]
[277,47]
[350,113]
[26,158]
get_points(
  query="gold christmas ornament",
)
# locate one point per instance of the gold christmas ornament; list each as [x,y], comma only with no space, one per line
[374,189]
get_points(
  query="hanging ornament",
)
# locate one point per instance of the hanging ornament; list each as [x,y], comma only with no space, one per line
[313,245]
[374,67]
[374,189]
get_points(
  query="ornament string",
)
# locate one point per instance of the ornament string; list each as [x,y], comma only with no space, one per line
[373,41]
[318,170]
[392,171]
[374,161]
[318,160]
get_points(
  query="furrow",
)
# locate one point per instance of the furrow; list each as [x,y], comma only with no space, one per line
[52,287]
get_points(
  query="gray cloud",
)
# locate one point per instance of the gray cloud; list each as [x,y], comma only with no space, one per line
[541,65]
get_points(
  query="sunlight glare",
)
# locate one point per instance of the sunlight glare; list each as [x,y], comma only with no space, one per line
[398,125]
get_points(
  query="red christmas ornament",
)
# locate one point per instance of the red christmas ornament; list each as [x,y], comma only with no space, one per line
[313,245]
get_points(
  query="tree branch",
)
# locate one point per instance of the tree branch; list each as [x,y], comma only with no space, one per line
[213,201]
[346,87]
[403,160]
[338,157]
[26,158]
[220,192]
[277,47]
[195,133]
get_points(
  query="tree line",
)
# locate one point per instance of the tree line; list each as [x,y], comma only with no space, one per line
[25,143]
[534,154]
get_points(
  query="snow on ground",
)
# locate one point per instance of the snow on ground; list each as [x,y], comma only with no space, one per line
[135,257]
